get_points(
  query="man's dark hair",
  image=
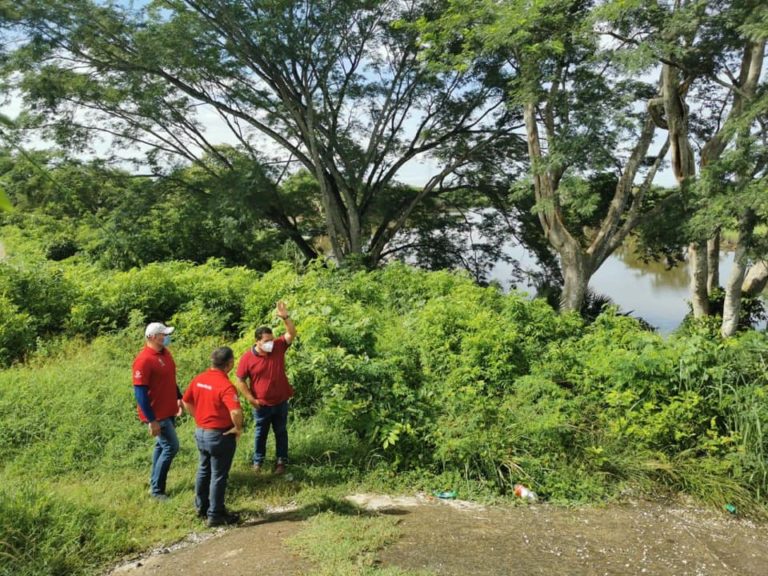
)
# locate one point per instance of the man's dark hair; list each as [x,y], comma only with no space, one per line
[261,330]
[221,356]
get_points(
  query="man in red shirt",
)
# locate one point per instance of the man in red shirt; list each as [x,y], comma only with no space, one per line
[212,401]
[261,379]
[159,400]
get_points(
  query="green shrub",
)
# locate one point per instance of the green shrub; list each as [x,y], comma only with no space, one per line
[260,300]
[17,335]
[61,247]
[107,298]
[215,303]
[42,291]
[424,372]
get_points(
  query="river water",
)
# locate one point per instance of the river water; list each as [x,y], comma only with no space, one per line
[646,290]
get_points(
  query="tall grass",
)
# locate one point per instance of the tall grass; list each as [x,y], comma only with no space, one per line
[347,544]
[76,462]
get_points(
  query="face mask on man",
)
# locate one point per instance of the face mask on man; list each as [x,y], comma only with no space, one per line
[267,346]
[167,340]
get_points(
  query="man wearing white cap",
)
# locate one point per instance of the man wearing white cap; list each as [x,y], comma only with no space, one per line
[159,401]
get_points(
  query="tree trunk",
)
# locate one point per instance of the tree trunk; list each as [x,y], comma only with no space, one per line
[697,260]
[579,263]
[573,259]
[576,275]
[334,222]
[751,69]
[676,112]
[749,77]
[684,169]
[713,262]
[544,186]
[293,233]
[355,231]
[756,279]
[732,302]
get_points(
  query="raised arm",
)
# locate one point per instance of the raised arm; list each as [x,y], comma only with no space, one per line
[290,328]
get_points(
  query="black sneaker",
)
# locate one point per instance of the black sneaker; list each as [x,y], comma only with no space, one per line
[226,520]
[202,514]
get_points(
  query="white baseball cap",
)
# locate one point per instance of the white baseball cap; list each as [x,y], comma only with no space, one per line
[155,328]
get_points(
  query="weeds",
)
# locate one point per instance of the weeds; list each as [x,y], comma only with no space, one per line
[347,544]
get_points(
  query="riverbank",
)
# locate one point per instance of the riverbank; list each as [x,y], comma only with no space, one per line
[649,290]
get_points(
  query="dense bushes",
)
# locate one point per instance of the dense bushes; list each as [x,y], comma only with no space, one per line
[434,372]
[665,410]
[45,299]
[425,373]
[16,333]
[428,370]
[44,293]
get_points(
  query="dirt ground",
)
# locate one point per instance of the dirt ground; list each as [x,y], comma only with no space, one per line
[455,538]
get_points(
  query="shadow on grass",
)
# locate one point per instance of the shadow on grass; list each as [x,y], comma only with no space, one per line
[319,458]
[324,504]
[298,471]
[325,464]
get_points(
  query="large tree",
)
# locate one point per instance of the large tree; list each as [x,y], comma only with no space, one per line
[711,55]
[746,171]
[706,49]
[585,113]
[337,87]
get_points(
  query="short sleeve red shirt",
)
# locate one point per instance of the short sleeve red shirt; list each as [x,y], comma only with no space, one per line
[213,396]
[266,374]
[157,371]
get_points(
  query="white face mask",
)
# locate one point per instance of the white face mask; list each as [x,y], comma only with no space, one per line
[267,346]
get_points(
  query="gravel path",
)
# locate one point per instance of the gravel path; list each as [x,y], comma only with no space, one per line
[459,538]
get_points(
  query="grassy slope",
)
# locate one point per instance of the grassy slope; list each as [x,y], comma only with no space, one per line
[76,461]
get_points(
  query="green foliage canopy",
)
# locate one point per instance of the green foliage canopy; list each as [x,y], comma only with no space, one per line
[339,87]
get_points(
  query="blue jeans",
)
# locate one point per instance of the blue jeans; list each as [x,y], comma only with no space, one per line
[277,417]
[216,453]
[166,447]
